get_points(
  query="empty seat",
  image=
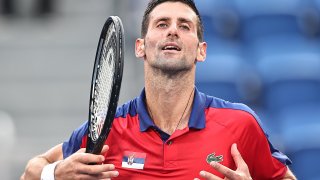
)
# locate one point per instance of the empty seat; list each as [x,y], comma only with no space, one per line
[265,25]
[227,77]
[300,126]
[305,163]
[290,79]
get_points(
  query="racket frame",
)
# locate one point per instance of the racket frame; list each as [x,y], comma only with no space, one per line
[95,147]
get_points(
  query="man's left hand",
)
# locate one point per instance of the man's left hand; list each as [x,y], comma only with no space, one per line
[241,173]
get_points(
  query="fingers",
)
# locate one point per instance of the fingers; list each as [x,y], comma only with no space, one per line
[223,169]
[89,158]
[103,171]
[236,154]
[82,150]
[242,168]
[110,174]
[208,176]
[96,169]
[240,163]
[81,165]
[103,175]
[86,158]
[105,148]
[74,169]
[242,171]
[228,173]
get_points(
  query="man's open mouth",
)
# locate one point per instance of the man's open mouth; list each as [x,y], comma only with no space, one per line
[171,47]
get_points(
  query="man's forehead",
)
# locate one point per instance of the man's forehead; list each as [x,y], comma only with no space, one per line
[173,10]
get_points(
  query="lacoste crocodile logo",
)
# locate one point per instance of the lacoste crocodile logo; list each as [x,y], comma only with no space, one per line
[212,157]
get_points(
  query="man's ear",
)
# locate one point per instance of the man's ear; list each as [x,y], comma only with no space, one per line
[202,51]
[139,48]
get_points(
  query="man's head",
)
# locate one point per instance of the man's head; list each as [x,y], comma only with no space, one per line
[154,3]
[171,42]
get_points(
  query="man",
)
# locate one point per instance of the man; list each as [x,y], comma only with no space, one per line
[171,131]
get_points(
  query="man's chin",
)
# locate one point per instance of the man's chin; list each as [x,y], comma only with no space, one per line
[172,70]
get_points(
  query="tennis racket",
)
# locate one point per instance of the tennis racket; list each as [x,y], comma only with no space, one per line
[105,84]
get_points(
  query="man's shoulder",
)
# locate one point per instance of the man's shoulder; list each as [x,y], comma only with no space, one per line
[230,110]
[218,103]
[236,118]
[128,108]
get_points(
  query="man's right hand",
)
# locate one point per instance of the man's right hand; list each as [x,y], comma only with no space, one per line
[77,166]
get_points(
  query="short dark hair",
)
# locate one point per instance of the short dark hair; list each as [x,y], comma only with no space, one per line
[154,3]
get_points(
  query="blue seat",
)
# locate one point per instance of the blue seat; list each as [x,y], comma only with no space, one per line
[290,92]
[216,75]
[250,8]
[266,25]
[290,79]
[300,132]
[308,18]
[305,163]
[275,29]
[220,18]
[300,126]
[211,6]
[224,76]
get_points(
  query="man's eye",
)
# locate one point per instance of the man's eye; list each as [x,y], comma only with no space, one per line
[185,27]
[162,25]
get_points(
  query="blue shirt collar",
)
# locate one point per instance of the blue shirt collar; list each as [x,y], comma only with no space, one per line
[197,117]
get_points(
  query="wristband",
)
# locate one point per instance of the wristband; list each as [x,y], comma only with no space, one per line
[48,171]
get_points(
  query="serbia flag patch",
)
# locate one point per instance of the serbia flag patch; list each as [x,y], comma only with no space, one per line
[133,160]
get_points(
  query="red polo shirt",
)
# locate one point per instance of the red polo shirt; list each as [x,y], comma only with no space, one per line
[140,150]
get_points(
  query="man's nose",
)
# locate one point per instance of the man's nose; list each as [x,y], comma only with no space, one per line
[173,30]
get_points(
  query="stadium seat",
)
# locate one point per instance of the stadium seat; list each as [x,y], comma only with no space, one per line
[264,25]
[218,76]
[220,19]
[290,79]
[305,163]
[300,126]
[272,34]
[227,77]
[273,27]
[300,134]
[251,8]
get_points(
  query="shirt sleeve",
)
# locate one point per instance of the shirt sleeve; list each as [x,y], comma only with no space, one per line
[75,141]
[263,160]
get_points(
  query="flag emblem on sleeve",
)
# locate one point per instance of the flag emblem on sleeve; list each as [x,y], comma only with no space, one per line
[133,160]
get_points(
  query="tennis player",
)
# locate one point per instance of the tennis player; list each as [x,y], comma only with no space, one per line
[171,131]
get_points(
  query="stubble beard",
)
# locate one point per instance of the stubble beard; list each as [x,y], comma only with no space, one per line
[172,68]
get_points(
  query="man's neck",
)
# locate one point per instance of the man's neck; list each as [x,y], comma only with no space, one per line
[169,101]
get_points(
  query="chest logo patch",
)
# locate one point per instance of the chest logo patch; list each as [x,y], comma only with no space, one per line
[212,157]
[133,160]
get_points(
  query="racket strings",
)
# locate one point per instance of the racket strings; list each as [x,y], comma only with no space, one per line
[104,83]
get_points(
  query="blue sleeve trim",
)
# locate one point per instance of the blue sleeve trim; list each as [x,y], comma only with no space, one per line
[127,108]
[279,155]
[73,144]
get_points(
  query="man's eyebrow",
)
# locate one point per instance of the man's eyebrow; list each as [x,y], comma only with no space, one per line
[162,19]
[180,19]
[184,20]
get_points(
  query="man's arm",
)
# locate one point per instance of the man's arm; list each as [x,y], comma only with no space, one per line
[75,166]
[35,165]
[289,175]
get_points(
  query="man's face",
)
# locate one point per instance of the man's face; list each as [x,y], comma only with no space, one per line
[171,43]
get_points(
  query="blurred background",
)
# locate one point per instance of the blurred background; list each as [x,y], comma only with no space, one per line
[265,54]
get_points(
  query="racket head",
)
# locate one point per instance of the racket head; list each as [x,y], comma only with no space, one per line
[105,84]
